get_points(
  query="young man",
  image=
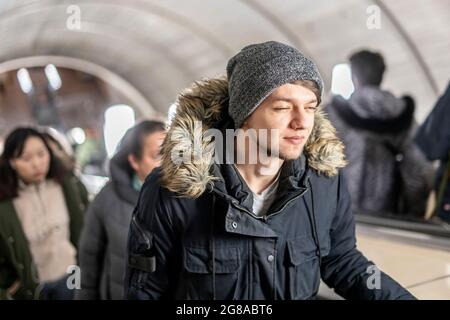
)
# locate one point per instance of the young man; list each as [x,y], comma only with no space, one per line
[264,229]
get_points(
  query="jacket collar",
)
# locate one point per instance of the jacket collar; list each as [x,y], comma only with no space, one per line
[230,186]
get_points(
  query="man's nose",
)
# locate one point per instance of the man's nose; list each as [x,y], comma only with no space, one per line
[298,120]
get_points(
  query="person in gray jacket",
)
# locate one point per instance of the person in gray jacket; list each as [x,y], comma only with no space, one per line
[387,173]
[103,240]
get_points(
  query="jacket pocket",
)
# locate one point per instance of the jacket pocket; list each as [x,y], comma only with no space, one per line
[303,267]
[201,275]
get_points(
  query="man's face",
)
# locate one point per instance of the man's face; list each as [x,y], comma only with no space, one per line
[150,157]
[290,109]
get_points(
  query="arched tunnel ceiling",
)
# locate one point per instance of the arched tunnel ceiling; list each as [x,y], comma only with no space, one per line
[160,47]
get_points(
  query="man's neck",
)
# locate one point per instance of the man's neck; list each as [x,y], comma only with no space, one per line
[259,176]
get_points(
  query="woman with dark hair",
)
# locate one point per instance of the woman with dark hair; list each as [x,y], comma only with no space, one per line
[41,215]
[104,237]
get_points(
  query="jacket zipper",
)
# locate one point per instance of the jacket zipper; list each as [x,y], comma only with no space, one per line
[284,206]
[265,218]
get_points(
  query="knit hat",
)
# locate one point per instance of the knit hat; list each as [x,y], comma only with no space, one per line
[259,69]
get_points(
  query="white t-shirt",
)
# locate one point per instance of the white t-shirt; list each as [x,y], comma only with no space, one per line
[263,200]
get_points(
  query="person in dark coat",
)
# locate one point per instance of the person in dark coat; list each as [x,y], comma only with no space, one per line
[433,138]
[103,239]
[209,228]
[387,173]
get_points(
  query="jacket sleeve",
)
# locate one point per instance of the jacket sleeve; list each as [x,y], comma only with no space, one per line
[417,176]
[345,268]
[151,248]
[7,273]
[91,251]
[433,137]
[84,195]
[77,202]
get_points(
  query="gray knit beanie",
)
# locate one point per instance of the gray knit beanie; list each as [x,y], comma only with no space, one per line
[259,69]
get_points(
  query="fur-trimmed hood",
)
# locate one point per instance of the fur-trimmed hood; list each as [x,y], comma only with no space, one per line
[207,101]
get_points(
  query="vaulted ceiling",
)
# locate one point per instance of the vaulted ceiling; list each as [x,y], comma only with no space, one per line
[154,48]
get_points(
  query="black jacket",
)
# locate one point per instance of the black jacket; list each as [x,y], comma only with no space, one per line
[193,235]
[433,138]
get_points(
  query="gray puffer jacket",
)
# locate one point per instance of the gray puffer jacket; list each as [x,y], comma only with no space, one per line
[102,249]
[377,128]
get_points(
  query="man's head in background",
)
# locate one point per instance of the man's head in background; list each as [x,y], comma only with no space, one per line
[367,68]
[139,149]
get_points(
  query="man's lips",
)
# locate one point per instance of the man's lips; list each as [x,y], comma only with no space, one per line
[295,139]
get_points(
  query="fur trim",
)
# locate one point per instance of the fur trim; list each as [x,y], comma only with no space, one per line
[205,103]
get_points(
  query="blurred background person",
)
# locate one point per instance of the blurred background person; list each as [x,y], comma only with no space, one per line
[433,137]
[90,155]
[41,215]
[61,148]
[43,107]
[104,237]
[386,173]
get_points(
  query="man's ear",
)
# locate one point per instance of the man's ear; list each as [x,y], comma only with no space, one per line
[12,165]
[133,162]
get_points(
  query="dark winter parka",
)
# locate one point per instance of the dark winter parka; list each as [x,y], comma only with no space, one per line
[193,234]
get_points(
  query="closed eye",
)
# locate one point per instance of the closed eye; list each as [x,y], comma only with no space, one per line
[281,108]
[311,107]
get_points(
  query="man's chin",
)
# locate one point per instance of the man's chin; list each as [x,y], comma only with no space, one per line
[290,155]
[286,153]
